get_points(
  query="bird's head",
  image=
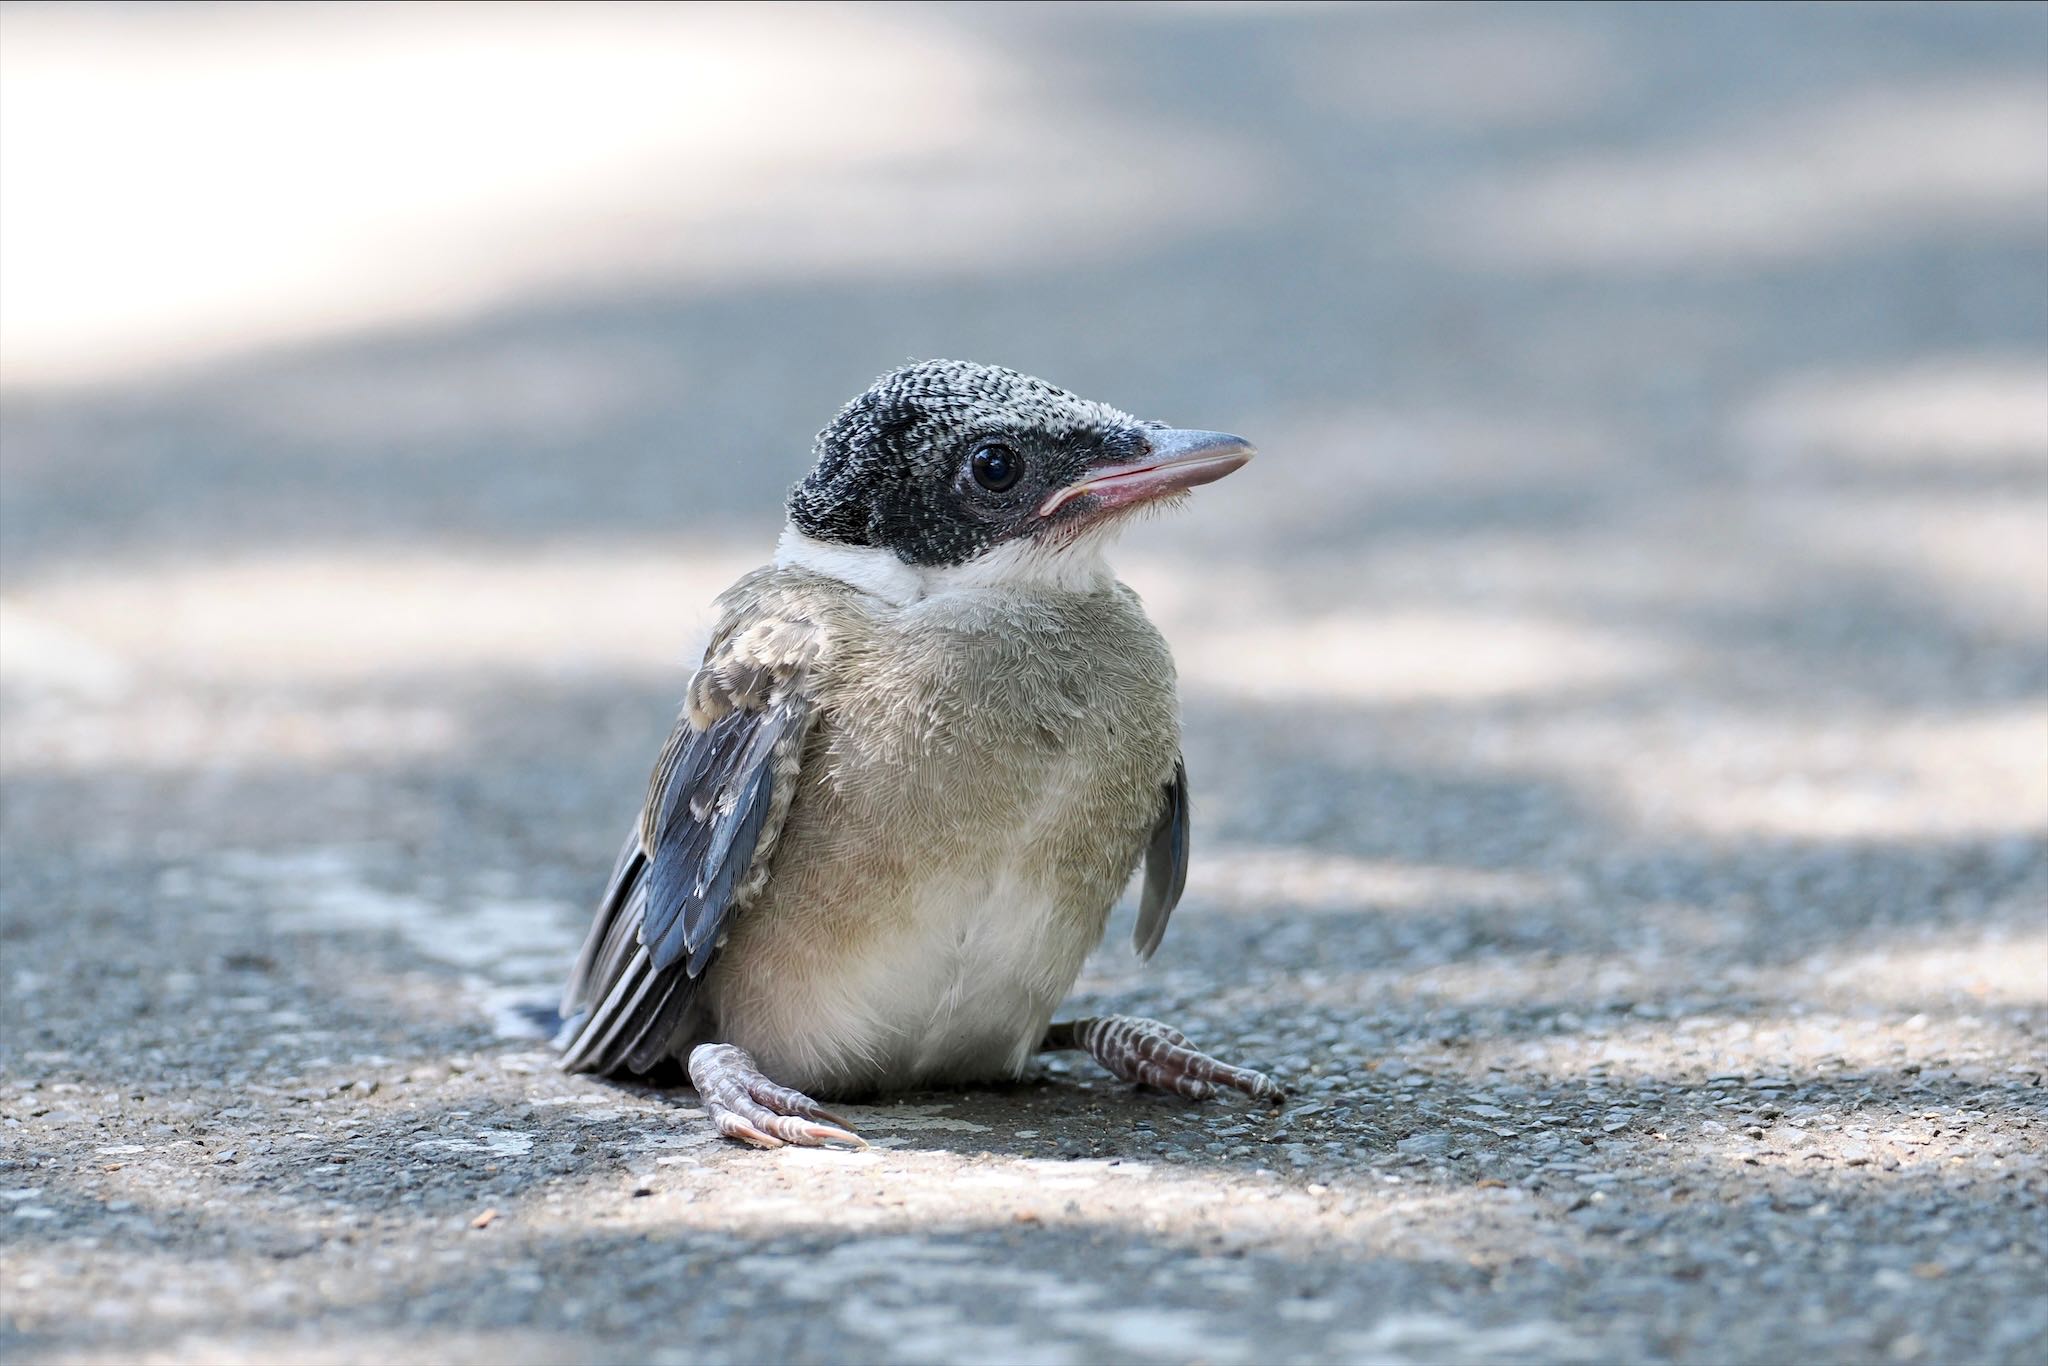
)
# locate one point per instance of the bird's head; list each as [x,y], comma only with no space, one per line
[949,473]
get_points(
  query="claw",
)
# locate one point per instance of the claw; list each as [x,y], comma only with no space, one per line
[749,1107]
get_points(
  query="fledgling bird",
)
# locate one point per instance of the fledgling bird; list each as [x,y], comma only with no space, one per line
[926,749]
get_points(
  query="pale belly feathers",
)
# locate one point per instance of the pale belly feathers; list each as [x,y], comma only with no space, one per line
[975,797]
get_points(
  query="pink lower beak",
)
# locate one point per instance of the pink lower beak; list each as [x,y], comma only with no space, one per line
[1178,461]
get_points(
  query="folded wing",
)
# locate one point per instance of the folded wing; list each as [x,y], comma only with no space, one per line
[702,847]
[1166,863]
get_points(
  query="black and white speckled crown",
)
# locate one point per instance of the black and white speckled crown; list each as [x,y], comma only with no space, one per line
[886,466]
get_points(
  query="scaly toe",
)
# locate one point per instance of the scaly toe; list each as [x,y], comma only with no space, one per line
[1257,1085]
[790,1101]
[1152,1054]
[733,1126]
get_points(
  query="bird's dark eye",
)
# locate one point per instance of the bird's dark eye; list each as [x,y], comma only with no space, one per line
[995,466]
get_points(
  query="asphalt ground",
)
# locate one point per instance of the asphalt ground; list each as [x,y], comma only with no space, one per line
[1616,700]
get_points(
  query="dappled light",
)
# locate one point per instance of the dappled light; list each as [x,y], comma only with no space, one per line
[408,176]
[1615,699]
[1944,412]
[1414,657]
[1866,167]
[354,616]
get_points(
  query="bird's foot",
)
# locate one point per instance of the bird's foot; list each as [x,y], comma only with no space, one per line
[1149,1053]
[747,1106]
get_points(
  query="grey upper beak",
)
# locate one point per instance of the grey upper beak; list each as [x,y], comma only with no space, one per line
[1177,461]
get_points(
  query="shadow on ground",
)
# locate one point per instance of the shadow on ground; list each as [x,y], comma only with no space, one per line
[1615,703]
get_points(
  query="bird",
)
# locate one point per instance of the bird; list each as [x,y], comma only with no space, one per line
[927,748]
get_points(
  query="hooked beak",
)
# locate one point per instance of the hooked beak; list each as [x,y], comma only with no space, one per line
[1177,462]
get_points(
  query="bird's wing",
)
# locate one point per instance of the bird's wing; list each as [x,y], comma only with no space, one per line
[1166,863]
[700,852]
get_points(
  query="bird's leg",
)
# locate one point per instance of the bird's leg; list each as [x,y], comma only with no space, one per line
[747,1106]
[1149,1053]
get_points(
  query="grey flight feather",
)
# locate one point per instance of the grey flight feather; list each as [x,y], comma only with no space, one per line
[709,820]
[1166,864]
[699,852]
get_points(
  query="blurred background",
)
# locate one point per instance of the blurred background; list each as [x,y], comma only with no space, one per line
[1641,600]
[1655,399]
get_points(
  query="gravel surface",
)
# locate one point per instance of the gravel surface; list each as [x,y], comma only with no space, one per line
[1617,708]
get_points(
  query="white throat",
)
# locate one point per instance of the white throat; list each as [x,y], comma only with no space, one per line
[1076,567]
